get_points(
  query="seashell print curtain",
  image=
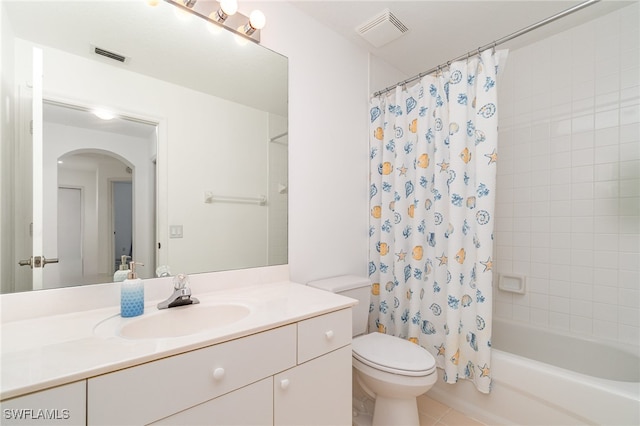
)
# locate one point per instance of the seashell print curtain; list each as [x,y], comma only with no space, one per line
[433,153]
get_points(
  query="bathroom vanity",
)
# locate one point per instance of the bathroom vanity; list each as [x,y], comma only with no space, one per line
[284,363]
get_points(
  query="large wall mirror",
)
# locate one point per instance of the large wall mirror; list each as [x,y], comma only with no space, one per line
[173,154]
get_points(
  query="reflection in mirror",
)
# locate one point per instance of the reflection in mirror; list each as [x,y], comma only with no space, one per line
[215,114]
[97,183]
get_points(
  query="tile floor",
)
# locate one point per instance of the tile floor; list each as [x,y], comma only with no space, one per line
[434,413]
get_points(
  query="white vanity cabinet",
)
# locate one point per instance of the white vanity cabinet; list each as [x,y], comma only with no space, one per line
[295,374]
[62,405]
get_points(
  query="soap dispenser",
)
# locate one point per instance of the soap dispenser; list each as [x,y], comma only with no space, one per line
[132,294]
[123,271]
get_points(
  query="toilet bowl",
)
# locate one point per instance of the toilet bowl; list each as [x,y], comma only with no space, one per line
[391,370]
[394,372]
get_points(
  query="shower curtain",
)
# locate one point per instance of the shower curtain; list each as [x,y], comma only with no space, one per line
[433,154]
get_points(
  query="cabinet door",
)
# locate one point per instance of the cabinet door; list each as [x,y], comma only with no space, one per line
[64,405]
[251,405]
[317,392]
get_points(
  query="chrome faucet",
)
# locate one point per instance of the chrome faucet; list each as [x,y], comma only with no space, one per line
[181,293]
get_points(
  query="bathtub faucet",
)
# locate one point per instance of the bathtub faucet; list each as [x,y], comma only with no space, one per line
[181,294]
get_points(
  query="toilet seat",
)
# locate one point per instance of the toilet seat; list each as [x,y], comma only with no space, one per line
[381,351]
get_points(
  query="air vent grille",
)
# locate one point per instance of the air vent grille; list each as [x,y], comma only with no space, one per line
[109,54]
[382,29]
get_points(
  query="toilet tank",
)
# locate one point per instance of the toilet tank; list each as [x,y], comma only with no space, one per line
[353,286]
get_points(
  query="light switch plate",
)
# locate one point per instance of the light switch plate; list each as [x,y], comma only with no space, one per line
[175,231]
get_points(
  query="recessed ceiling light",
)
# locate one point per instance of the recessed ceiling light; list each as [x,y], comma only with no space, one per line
[104,114]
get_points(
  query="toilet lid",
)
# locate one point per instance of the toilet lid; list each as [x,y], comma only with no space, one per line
[393,354]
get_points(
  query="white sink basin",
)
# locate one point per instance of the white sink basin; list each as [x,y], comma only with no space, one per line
[175,322]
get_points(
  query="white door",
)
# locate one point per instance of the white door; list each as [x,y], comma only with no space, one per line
[122,196]
[35,259]
[70,222]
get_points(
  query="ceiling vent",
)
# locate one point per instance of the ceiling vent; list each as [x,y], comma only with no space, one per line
[109,54]
[382,29]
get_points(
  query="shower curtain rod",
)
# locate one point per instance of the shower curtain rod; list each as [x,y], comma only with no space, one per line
[493,44]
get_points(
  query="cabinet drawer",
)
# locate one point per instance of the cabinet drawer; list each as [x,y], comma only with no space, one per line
[250,405]
[322,334]
[149,392]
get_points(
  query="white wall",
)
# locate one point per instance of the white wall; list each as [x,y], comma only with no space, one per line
[6,154]
[568,198]
[278,199]
[383,74]
[328,145]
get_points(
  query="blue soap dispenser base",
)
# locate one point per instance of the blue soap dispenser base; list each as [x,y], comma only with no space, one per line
[132,294]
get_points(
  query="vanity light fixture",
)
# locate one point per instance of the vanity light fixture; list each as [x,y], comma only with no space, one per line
[257,21]
[223,13]
[227,8]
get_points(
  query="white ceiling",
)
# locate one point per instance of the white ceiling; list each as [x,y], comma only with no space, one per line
[442,30]
[159,42]
[79,117]
[438,32]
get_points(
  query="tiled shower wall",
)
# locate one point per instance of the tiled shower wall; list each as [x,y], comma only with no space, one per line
[568,199]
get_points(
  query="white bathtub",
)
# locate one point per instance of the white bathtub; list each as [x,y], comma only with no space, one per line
[590,383]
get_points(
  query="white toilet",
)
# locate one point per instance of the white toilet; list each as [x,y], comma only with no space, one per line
[391,370]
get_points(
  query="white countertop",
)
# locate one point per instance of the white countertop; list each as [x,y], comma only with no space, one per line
[42,352]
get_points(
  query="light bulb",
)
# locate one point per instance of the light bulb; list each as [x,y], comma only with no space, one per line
[242,41]
[212,27]
[257,20]
[103,114]
[229,6]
